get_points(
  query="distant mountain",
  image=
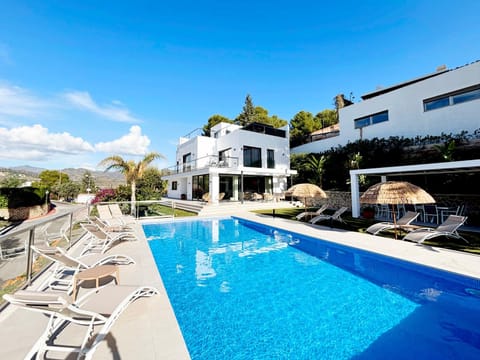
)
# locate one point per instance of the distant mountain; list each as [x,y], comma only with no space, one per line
[27,170]
[101,178]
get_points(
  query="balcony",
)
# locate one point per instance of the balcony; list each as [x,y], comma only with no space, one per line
[205,162]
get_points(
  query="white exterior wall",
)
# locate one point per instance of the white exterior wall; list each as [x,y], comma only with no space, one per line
[222,129]
[405,111]
[240,138]
[230,137]
[200,147]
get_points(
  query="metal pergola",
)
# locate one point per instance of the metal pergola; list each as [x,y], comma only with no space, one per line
[451,167]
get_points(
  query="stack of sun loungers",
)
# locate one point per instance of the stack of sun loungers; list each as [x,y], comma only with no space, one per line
[95,311]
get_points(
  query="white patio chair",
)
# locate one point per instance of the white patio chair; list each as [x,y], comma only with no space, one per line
[99,307]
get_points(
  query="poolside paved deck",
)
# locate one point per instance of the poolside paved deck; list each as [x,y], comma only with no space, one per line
[148,328]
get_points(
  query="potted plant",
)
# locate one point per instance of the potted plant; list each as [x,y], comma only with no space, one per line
[368,212]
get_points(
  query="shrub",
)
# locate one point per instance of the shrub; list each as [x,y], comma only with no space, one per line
[3,201]
[20,197]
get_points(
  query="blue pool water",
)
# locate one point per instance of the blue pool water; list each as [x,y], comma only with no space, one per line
[241,290]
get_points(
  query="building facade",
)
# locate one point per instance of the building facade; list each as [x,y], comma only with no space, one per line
[233,163]
[446,101]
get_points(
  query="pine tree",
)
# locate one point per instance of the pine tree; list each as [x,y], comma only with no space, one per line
[247,116]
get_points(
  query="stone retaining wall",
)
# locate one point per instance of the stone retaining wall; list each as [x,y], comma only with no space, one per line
[471,202]
[24,213]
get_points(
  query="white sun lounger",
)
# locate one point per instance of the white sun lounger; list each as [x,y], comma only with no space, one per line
[401,223]
[312,213]
[337,216]
[448,228]
[99,241]
[117,214]
[65,266]
[106,216]
[100,307]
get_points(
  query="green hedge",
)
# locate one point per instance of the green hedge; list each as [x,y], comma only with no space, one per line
[395,151]
[3,201]
[19,197]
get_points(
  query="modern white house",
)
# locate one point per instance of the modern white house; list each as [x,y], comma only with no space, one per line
[446,101]
[233,163]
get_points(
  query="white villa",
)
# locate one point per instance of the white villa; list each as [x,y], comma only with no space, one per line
[233,163]
[446,101]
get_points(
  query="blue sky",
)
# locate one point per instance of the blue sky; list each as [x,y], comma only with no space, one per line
[82,80]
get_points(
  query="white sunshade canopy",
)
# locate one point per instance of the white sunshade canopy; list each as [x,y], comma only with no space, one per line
[421,169]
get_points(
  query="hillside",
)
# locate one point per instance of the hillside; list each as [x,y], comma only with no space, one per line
[110,179]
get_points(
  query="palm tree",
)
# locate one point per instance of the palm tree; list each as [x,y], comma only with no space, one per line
[132,170]
[317,166]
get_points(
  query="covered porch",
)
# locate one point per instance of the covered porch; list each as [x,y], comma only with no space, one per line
[465,166]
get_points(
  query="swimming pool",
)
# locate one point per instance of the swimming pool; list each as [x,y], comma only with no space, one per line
[242,290]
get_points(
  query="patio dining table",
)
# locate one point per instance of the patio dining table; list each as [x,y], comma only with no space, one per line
[445,211]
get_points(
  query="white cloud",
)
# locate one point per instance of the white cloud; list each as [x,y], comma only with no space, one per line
[15,101]
[37,143]
[134,143]
[114,111]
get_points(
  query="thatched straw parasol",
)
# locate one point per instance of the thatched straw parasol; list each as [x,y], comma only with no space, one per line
[306,190]
[395,193]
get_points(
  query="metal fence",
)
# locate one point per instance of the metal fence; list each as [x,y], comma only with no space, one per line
[18,264]
[164,208]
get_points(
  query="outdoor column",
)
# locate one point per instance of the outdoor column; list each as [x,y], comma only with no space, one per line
[241,186]
[355,192]
[214,187]
[235,187]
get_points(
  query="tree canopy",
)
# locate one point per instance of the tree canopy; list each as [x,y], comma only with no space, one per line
[261,116]
[51,178]
[326,118]
[301,126]
[133,171]
[11,181]
[248,115]
[214,120]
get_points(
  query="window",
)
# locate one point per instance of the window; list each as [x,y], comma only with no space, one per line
[252,156]
[174,185]
[224,158]
[371,119]
[466,96]
[436,104]
[270,158]
[453,98]
[200,186]
[187,165]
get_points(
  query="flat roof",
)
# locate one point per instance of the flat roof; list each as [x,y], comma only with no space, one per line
[400,85]
[421,169]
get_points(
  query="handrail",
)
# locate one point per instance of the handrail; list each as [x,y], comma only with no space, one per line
[25,233]
[24,228]
[203,163]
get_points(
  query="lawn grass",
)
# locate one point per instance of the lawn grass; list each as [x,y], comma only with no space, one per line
[161,210]
[361,224]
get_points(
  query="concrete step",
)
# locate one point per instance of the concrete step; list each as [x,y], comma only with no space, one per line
[225,207]
[230,208]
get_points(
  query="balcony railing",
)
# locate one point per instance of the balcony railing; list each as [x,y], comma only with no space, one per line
[205,163]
